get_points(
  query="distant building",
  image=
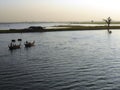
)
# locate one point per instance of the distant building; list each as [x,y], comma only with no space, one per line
[35,28]
[29,29]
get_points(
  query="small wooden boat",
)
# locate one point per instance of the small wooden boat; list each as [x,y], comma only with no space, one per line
[29,44]
[12,47]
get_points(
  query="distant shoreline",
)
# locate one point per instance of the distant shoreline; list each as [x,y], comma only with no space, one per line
[63,28]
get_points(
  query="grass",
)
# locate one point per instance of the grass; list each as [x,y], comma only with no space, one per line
[69,28]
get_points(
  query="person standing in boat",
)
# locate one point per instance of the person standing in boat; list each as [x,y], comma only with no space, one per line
[11,44]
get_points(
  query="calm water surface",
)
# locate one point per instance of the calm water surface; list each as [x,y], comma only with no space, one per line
[80,60]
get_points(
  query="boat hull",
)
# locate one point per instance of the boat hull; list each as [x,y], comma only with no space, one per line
[29,44]
[14,47]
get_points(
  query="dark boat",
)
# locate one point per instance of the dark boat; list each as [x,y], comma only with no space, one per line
[29,44]
[12,47]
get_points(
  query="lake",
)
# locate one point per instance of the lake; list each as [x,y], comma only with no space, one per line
[74,60]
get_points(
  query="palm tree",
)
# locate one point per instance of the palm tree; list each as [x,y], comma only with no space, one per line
[108,21]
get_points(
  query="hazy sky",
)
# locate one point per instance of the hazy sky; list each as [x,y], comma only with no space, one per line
[58,10]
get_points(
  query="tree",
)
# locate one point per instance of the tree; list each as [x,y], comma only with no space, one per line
[108,22]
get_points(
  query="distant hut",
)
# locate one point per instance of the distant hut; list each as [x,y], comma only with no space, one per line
[35,28]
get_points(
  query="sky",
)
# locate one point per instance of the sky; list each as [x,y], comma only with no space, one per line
[58,10]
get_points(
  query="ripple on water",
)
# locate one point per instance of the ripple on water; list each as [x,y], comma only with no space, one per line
[62,61]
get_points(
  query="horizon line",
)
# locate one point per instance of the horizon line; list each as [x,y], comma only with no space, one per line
[52,21]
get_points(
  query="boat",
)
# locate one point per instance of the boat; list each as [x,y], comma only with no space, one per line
[29,44]
[13,45]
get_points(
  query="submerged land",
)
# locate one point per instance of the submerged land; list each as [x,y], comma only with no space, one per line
[101,26]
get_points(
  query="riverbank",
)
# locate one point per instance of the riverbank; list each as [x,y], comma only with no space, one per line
[60,28]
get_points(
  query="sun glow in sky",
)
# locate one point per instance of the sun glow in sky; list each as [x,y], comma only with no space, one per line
[58,10]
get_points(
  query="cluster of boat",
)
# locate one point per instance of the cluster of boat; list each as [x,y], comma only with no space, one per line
[13,44]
